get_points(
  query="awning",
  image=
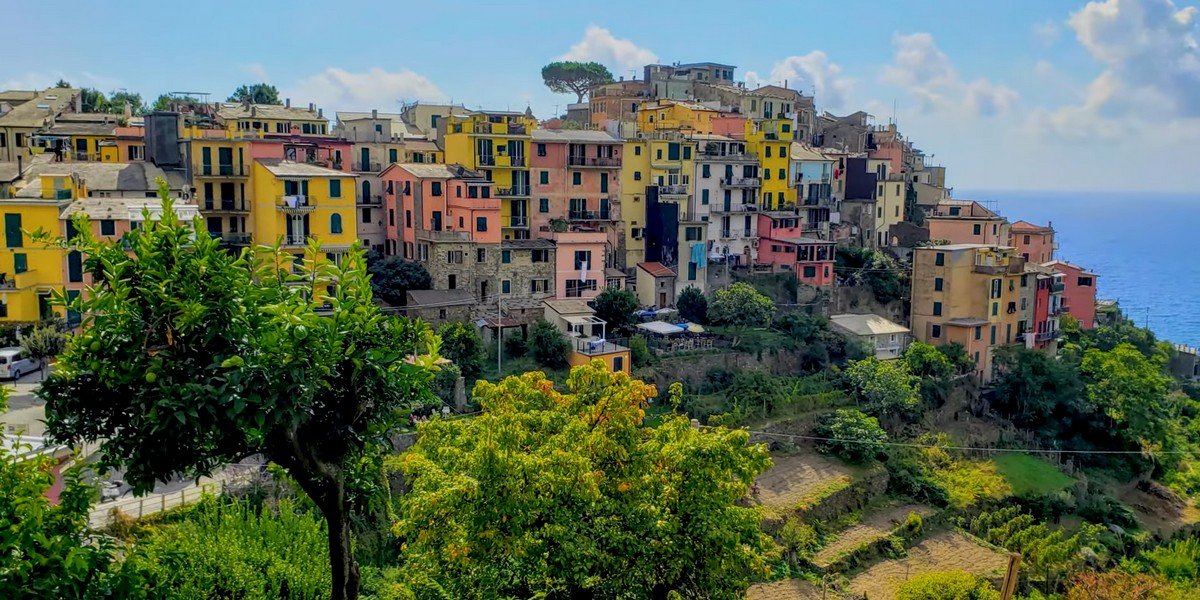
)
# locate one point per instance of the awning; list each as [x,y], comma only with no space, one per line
[660,327]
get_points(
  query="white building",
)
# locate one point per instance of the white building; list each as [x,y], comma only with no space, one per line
[887,338]
[727,187]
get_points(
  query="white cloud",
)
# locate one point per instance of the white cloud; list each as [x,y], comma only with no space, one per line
[1149,50]
[1046,32]
[338,89]
[1044,69]
[257,71]
[922,69]
[814,69]
[600,45]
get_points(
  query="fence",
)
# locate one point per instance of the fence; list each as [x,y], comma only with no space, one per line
[152,504]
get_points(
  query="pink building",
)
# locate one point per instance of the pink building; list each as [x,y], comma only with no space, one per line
[781,244]
[1079,292]
[437,198]
[579,263]
[1034,242]
[575,177]
[730,125]
[967,222]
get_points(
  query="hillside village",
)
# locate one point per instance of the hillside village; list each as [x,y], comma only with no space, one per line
[945,401]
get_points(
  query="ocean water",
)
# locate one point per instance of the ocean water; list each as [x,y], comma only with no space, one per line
[1145,247]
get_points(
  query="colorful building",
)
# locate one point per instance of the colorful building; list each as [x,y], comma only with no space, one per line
[675,115]
[812,174]
[726,195]
[1079,292]
[967,222]
[967,294]
[1042,331]
[770,140]
[576,186]
[783,245]
[1034,242]
[579,271]
[30,273]
[24,113]
[271,119]
[297,201]
[497,144]
[617,102]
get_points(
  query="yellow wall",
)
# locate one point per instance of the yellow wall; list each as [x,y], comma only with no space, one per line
[635,158]
[653,116]
[761,134]
[462,134]
[92,147]
[889,209]
[576,359]
[271,126]
[45,265]
[270,222]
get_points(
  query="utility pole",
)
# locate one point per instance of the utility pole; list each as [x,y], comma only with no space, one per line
[499,334]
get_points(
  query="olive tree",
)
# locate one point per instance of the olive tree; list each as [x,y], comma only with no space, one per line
[190,358]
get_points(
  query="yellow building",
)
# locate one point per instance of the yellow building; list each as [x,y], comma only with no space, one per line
[770,140]
[294,201]
[272,119]
[80,137]
[221,175]
[968,294]
[889,207]
[28,113]
[496,144]
[675,115]
[29,272]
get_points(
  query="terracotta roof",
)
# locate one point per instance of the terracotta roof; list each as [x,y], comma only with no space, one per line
[1026,226]
[656,269]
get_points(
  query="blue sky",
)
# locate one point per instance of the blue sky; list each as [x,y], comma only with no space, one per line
[1008,95]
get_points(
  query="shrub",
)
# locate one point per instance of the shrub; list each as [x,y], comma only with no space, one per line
[549,345]
[799,538]
[516,346]
[616,307]
[692,305]
[853,435]
[883,388]
[444,381]
[946,585]
[461,343]
[639,351]
[1178,561]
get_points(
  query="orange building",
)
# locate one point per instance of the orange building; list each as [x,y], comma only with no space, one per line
[1034,242]
[966,222]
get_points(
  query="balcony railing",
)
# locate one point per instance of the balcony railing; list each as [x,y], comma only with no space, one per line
[733,208]
[367,167]
[224,204]
[589,215]
[295,204]
[594,347]
[518,221]
[1043,336]
[1056,287]
[515,191]
[295,240]
[237,238]
[223,170]
[372,200]
[514,161]
[990,269]
[672,190]
[584,161]
[741,182]
[485,160]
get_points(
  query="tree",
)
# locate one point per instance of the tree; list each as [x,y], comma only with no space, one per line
[256,93]
[639,351]
[692,305]
[933,369]
[116,103]
[461,344]
[548,345]
[741,307]
[853,435]
[392,277]
[572,495]
[1037,391]
[579,77]
[616,307]
[190,358]
[946,585]
[42,342]
[44,549]
[1133,391]
[62,84]
[883,387]
[93,101]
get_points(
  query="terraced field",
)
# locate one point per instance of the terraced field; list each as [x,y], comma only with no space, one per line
[873,527]
[797,480]
[944,552]
[791,589]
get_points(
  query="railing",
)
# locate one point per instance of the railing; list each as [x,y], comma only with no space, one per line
[588,215]
[373,200]
[672,190]
[518,190]
[595,347]
[729,156]
[86,156]
[223,204]
[732,208]
[1057,287]
[518,221]
[485,161]
[1043,336]
[295,204]
[295,240]
[990,269]
[6,283]
[231,237]
[367,167]
[583,161]
[515,161]
[741,182]
[443,236]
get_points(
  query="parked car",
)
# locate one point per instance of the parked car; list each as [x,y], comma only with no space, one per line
[15,362]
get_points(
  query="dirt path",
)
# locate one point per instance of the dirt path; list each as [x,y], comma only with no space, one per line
[875,526]
[794,478]
[944,552]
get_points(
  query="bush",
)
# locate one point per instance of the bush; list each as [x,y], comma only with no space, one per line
[549,345]
[444,381]
[884,388]
[946,585]
[1178,562]
[854,435]
[639,351]
[692,305]
[799,538]
[462,345]
[515,346]
[392,278]
[616,307]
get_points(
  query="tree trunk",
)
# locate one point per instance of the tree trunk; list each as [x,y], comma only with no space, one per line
[343,567]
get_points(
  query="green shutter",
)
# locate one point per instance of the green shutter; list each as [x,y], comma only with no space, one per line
[12,230]
[20,263]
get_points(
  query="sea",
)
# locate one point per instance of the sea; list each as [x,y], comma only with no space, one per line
[1145,248]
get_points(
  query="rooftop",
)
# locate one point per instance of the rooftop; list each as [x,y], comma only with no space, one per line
[436,171]
[289,168]
[237,110]
[1027,227]
[804,152]
[126,209]
[574,135]
[957,247]
[868,324]
[530,244]
[570,306]
[1072,266]
[967,322]
[417,298]
[39,110]
[99,177]
[656,269]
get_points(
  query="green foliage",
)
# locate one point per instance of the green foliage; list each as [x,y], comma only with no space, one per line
[444,382]
[190,358]
[548,345]
[1048,553]
[1132,390]
[62,83]
[564,77]
[946,585]
[1029,475]
[44,341]
[256,93]
[799,538]
[462,345]
[887,280]
[854,435]
[692,305]
[616,307]
[515,346]
[1178,562]
[754,394]
[639,351]
[230,550]
[1037,391]
[933,475]
[962,362]
[934,370]
[740,305]
[883,388]
[572,495]
[392,277]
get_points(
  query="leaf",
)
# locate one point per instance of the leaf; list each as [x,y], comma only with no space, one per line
[233,361]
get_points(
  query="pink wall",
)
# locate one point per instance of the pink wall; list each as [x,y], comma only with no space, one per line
[121,227]
[560,187]
[1079,299]
[893,152]
[459,211]
[960,230]
[1036,247]
[570,242]
[730,125]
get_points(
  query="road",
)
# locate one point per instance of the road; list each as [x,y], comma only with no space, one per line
[26,413]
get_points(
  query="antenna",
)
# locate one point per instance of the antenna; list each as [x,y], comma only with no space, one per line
[893,111]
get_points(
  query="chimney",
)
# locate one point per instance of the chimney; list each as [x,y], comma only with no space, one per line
[312,107]
[253,111]
[374,113]
[287,102]
[321,112]
[20,164]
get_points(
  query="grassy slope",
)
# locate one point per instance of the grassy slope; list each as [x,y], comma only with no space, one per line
[1030,475]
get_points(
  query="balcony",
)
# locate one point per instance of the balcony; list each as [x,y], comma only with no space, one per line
[517,191]
[987,269]
[741,182]
[733,208]
[223,170]
[1057,287]
[509,161]
[597,162]
[1045,336]
[85,157]
[596,347]
[295,204]
[443,236]
[366,167]
[485,160]
[716,155]
[673,190]
[818,202]
[499,129]
[518,221]
[293,240]
[373,200]
[225,204]
[589,215]
[233,238]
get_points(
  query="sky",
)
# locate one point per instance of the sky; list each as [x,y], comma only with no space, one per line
[1020,95]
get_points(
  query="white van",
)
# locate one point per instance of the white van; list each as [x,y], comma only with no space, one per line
[14,363]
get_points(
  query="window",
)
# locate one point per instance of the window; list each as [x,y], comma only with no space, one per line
[782,174]
[954,211]
[335,188]
[995,308]
[979,332]
[997,287]
[454,257]
[335,223]
[108,227]
[481,255]
[975,229]
[705,172]
[767,174]
[583,259]
[810,271]
[658,154]
[691,271]
[768,151]
[576,178]
[1026,239]
[408,218]
[539,286]
[506,256]
[20,262]
[935,331]
[637,150]
[452,282]
[687,153]
[366,215]
[542,255]
[480,223]
[692,234]
[939,259]
[543,205]
[1024,280]
[637,175]
[393,154]
[12,230]
[937,284]
[704,196]
[618,364]
[435,188]
[74,266]
[541,149]
[937,309]
[1084,282]
[506,287]
[993,337]
[544,177]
